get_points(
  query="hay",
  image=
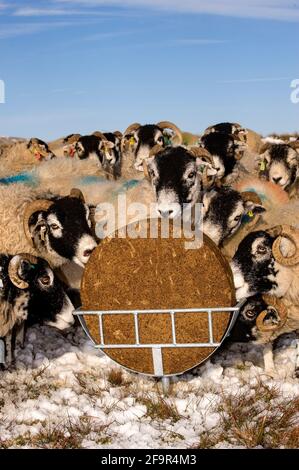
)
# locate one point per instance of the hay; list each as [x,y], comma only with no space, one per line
[125,274]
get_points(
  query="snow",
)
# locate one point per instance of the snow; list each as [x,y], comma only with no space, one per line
[64,381]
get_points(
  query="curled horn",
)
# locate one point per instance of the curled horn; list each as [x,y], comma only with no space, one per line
[284,231]
[77,193]
[133,127]
[71,139]
[13,268]
[170,125]
[155,150]
[200,152]
[266,146]
[145,170]
[294,144]
[31,208]
[124,140]
[100,135]
[118,134]
[282,312]
[251,196]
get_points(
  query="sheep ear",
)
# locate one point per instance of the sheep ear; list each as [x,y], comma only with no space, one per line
[38,226]
[202,164]
[266,146]
[254,208]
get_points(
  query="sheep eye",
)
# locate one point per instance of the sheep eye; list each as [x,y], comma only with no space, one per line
[191,175]
[237,218]
[250,314]
[45,280]
[54,226]
[261,249]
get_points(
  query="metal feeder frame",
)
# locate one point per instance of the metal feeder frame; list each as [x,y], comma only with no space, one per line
[156,347]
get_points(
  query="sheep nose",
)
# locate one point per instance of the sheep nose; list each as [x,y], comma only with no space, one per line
[87,253]
[276,180]
[166,214]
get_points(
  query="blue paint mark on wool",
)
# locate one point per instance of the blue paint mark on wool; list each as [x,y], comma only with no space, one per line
[92,179]
[125,186]
[21,178]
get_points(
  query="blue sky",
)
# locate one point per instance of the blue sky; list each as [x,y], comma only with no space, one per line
[81,65]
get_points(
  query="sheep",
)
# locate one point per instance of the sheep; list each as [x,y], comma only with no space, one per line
[279,163]
[30,291]
[138,140]
[23,156]
[233,148]
[278,210]
[261,320]
[267,262]
[55,228]
[111,154]
[224,211]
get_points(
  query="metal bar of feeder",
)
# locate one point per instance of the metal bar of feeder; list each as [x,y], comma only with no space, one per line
[173,327]
[179,310]
[210,326]
[157,345]
[101,328]
[136,327]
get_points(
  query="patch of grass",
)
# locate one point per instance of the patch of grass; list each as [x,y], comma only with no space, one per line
[115,378]
[67,435]
[160,408]
[255,419]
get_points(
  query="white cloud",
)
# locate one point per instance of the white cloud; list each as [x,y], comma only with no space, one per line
[196,42]
[20,29]
[37,12]
[255,80]
[269,9]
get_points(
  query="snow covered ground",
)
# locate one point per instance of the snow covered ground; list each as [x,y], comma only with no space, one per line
[63,393]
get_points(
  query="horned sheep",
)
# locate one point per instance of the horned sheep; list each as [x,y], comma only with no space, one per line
[29,290]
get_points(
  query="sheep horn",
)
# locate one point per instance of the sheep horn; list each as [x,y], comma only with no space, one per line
[100,135]
[118,134]
[132,128]
[77,193]
[281,309]
[294,144]
[285,231]
[265,147]
[31,208]
[200,152]
[251,196]
[13,267]
[145,170]
[71,139]
[170,125]
[155,150]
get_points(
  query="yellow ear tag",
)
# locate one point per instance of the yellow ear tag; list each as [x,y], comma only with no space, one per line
[250,214]
[132,141]
[263,165]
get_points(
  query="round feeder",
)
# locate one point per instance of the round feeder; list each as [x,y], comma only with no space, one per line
[154,306]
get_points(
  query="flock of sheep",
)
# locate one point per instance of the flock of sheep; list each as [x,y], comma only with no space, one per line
[51,193]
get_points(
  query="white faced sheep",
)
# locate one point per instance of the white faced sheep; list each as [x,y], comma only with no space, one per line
[23,156]
[278,209]
[30,291]
[55,228]
[138,140]
[262,319]
[267,262]
[279,163]
[103,148]
[232,148]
